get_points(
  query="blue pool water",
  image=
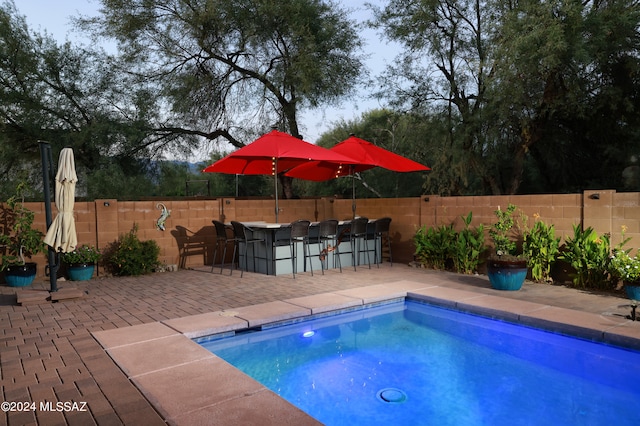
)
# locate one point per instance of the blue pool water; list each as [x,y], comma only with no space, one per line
[409,363]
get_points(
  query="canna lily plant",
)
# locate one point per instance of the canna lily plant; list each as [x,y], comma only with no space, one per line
[541,247]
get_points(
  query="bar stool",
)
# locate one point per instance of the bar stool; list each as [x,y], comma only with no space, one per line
[382,231]
[221,239]
[328,241]
[359,236]
[300,233]
[240,237]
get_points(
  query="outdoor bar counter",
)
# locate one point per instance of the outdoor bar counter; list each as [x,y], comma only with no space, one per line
[273,256]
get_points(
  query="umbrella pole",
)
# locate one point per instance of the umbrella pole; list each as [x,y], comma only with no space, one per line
[47,168]
[275,178]
[353,192]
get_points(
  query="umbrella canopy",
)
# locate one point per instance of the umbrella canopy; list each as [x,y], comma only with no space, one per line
[61,235]
[364,155]
[271,154]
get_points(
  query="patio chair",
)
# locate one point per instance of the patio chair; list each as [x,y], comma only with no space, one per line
[328,242]
[358,240]
[240,237]
[222,239]
[300,234]
[189,244]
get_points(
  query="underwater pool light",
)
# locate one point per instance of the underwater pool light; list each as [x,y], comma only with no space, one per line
[309,333]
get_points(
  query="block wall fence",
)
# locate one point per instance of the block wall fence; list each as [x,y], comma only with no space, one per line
[189,226]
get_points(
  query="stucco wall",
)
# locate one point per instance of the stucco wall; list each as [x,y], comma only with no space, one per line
[100,222]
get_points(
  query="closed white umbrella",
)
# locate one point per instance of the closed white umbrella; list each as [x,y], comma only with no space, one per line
[61,235]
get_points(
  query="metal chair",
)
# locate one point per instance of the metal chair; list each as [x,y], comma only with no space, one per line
[381,232]
[300,233]
[189,244]
[328,242]
[240,237]
[358,237]
[221,239]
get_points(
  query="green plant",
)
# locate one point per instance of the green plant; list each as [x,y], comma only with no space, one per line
[541,247]
[624,267]
[502,233]
[19,237]
[589,256]
[82,254]
[436,247]
[468,246]
[433,245]
[130,256]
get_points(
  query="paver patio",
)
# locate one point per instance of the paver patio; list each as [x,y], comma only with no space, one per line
[48,352]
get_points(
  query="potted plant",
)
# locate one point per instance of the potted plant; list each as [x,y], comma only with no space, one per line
[626,268]
[81,262]
[506,269]
[20,241]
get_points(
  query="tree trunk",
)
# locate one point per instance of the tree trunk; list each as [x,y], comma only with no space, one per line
[286,183]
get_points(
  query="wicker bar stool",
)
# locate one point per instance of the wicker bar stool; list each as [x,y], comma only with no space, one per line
[222,239]
[358,239]
[240,237]
[327,242]
[300,234]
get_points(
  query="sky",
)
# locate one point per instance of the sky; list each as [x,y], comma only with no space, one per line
[53,16]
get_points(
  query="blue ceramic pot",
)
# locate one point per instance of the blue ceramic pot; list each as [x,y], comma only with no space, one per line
[80,271]
[507,274]
[633,290]
[20,275]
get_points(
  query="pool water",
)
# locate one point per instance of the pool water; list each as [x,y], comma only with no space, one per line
[408,363]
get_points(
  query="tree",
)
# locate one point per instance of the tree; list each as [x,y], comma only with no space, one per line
[230,69]
[443,73]
[528,90]
[565,89]
[70,96]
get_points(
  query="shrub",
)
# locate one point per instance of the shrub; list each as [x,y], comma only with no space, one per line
[621,265]
[130,256]
[468,246]
[436,247]
[624,267]
[83,254]
[18,235]
[433,245]
[541,247]
[588,254]
[501,232]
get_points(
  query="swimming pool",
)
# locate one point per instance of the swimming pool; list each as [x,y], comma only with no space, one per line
[410,363]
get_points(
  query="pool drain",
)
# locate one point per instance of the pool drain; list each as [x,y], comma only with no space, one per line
[391,395]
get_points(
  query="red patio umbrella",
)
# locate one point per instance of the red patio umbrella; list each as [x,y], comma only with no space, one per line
[364,155]
[271,154]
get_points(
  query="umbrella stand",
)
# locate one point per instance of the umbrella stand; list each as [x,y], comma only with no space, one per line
[47,172]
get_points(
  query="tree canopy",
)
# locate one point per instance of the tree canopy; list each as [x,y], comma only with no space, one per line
[232,68]
[529,91]
[186,71]
[496,97]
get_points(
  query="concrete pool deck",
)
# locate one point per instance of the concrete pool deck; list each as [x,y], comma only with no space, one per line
[125,349]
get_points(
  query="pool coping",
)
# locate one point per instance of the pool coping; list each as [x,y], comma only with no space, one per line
[187,384]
